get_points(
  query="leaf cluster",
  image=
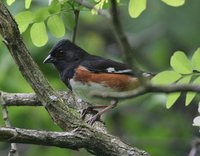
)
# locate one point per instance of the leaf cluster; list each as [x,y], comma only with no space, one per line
[183,71]
[41,19]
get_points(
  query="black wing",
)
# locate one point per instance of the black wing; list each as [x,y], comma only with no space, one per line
[99,64]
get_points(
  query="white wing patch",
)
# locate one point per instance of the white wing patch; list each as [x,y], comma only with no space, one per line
[112,70]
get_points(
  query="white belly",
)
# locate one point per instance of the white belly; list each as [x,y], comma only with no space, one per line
[84,91]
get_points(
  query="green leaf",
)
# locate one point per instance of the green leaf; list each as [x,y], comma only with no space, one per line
[10,2]
[172,97]
[165,78]
[41,15]
[190,95]
[136,7]
[39,34]
[23,20]
[196,59]
[174,3]
[98,6]
[56,26]
[55,7]
[180,63]
[27,3]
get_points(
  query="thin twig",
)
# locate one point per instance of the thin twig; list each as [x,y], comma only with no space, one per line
[90,6]
[121,36]
[76,16]
[13,151]
[30,99]
[195,147]
[148,89]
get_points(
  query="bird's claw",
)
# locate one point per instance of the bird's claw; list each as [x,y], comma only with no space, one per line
[87,110]
[94,118]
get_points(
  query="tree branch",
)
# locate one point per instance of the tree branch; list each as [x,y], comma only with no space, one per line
[71,140]
[126,48]
[96,138]
[29,69]
[76,16]
[148,89]
[13,151]
[31,99]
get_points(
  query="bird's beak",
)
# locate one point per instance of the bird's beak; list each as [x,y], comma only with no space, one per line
[49,59]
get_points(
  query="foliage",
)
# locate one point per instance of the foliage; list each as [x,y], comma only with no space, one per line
[184,72]
[137,7]
[36,20]
[52,14]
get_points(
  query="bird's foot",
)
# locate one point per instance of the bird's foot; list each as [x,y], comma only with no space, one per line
[94,118]
[87,110]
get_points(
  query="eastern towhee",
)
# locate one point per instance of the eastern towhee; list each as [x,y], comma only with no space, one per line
[84,73]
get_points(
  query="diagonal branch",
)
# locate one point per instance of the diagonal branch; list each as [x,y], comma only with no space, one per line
[29,69]
[121,36]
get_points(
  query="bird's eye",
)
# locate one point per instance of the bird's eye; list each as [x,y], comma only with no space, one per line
[58,55]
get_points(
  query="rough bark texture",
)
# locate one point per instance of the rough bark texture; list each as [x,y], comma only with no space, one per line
[94,139]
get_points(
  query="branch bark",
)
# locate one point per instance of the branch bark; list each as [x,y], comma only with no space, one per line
[13,151]
[71,140]
[30,99]
[95,139]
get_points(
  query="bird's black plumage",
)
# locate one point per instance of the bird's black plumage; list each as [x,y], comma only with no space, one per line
[66,51]
[67,56]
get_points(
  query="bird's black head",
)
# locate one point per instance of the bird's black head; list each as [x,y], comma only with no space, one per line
[65,54]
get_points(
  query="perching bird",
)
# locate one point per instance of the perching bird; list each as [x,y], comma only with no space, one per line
[84,73]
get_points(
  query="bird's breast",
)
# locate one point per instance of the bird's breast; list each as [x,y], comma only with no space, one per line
[85,82]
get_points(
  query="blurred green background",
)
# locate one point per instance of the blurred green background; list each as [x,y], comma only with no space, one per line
[143,122]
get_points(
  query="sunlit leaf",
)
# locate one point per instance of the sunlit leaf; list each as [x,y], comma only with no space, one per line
[23,20]
[165,78]
[56,26]
[190,95]
[54,7]
[136,7]
[98,6]
[172,97]
[174,3]
[27,3]
[39,34]
[180,63]
[10,2]
[41,14]
[196,59]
